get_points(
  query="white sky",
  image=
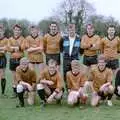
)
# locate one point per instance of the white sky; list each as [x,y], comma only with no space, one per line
[35,10]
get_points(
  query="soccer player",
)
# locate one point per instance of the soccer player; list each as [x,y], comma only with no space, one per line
[3,60]
[49,87]
[26,79]
[110,46]
[76,80]
[52,42]
[16,48]
[90,43]
[101,86]
[117,83]
[35,49]
[70,46]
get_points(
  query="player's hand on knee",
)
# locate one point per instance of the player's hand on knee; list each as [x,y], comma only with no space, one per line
[102,88]
[50,83]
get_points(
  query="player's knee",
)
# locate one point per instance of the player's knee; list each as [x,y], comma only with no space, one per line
[111,89]
[94,103]
[30,101]
[59,95]
[72,100]
[20,88]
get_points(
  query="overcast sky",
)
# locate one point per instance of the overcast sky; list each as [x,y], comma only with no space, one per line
[35,10]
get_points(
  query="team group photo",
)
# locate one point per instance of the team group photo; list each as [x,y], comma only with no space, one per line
[60,68]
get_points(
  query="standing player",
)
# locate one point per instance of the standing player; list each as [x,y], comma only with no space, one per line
[52,42]
[50,86]
[70,46]
[90,43]
[16,49]
[26,79]
[101,78]
[110,46]
[76,80]
[35,48]
[3,60]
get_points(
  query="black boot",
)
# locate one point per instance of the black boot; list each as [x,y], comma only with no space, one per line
[3,85]
[21,98]
[41,94]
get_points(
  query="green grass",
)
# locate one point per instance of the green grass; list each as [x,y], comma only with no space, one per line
[8,111]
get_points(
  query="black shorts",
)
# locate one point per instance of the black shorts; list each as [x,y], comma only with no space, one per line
[90,60]
[102,95]
[14,63]
[3,62]
[35,62]
[66,67]
[113,64]
[54,57]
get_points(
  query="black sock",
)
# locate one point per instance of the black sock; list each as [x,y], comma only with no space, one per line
[110,96]
[3,85]
[21,98]
[102,95]
[41,94]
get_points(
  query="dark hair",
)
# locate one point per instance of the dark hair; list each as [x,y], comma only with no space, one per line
[33,26]
[17,25]
[92,26]
[111,26]
[53,22]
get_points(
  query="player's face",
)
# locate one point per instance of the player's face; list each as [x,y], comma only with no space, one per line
[111,31]
[53,29]
[24,65]
[101,64]
[52,69]
[34,32]
[90,30]
[75,70]
[72,31]
[17,31]
[1,33]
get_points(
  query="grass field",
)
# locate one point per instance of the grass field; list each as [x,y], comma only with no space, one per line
[8,110]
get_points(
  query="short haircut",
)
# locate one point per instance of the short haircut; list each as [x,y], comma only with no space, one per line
[53,22]
[51,62]
[33,26]
[90,25]
[24,59]
[17,25]
[75,63]
[111,26]
[101,57]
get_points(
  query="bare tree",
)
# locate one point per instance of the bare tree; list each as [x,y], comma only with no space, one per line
[76,11]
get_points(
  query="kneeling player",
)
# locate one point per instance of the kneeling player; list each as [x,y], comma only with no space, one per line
[26,82]
[75,81]
[101,78]
[117,83]
[50,86]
